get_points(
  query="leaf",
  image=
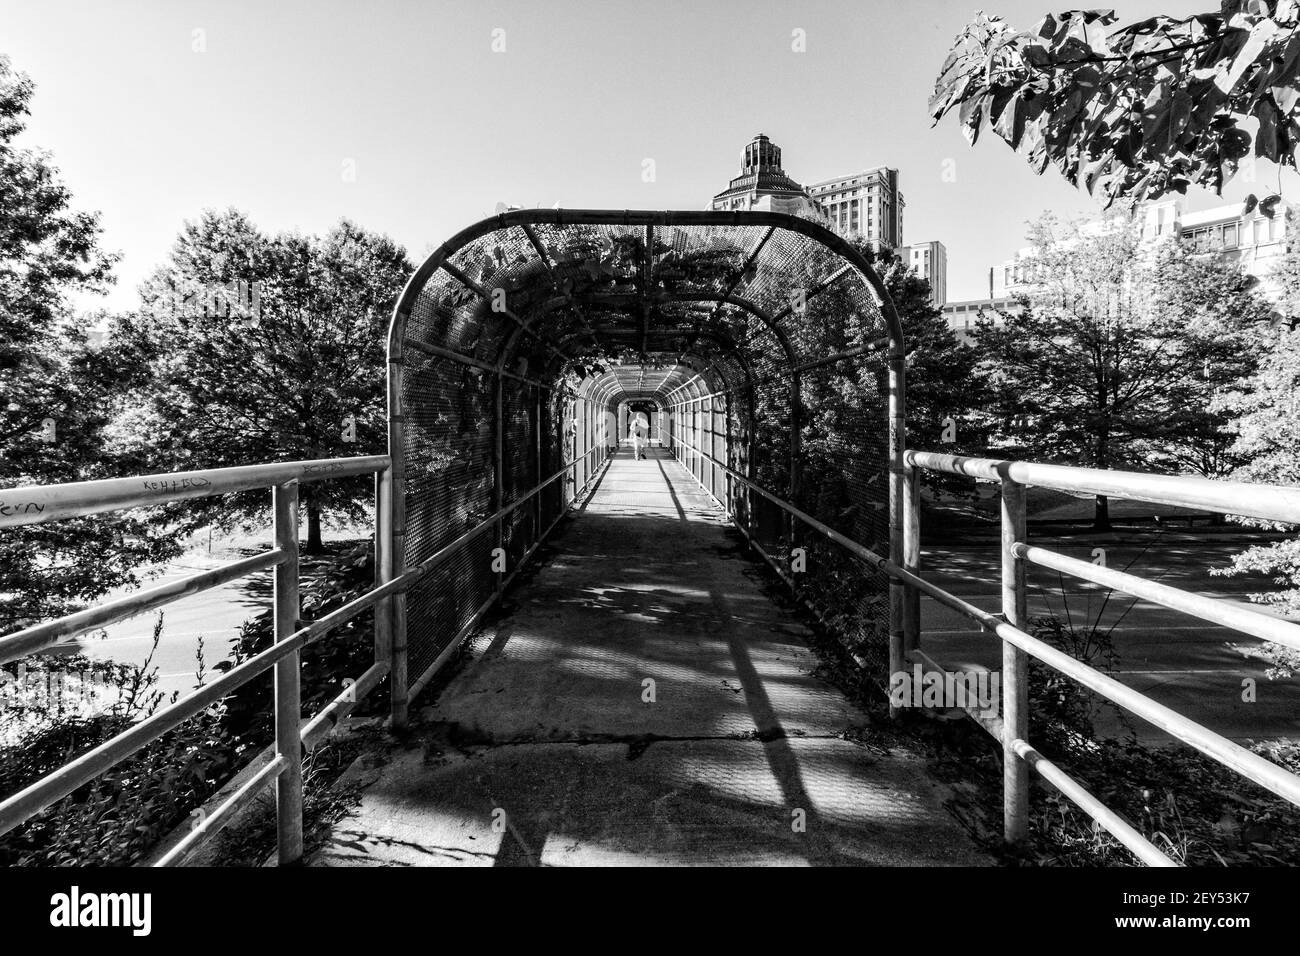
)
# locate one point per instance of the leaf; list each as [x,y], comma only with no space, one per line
[1266,136]
[1010,124]
[971,116]
[1168,122]
[1259,36]
[1285,97]
[1234,143]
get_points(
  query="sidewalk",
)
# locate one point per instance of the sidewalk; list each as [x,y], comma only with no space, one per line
[550,747]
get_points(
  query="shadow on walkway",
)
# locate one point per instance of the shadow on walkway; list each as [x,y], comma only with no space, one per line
[641,701]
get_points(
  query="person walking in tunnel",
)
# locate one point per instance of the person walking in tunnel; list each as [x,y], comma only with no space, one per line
[640,429]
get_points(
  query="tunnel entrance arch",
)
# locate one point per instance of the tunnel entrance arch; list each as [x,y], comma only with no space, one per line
[767,344]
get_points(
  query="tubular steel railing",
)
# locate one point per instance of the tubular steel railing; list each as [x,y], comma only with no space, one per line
[1258,501]
[1020,757]
[293,736]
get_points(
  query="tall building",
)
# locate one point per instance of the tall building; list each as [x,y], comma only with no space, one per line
[869,203]
[763,184]
[930,260]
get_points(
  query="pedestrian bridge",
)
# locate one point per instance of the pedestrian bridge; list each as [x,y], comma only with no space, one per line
[642,680]
[640,698]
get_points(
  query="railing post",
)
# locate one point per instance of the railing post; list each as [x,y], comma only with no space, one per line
[911,557]
[1015,676]
[396,552]
[499,477]
[897,501]
[383,564]
[727,457]
[537,463]
[288,704]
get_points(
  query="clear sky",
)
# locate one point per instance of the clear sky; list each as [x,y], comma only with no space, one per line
[270,105]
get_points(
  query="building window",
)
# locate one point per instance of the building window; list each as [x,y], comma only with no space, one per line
[1230,236]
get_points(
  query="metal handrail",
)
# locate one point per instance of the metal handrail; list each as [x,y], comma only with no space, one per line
[1018,643]
[1244,619]
[20,806]
[1267,774]
[293,735]
[1268,502]
[212,823]
[43,503]
[40,636]
[35,504]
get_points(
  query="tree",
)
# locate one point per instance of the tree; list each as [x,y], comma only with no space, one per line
[264,349]
[1140,111]
[1263,414]
[842,400]
[942,385]
[56,388]
[1115,358]
[1232,325]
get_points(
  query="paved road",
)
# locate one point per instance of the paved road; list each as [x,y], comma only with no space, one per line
[1194,667]
[546,750]
[215,615]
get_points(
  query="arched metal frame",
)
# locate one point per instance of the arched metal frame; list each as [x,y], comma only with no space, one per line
[647,313]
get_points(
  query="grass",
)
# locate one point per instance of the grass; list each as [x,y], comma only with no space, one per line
[252,841]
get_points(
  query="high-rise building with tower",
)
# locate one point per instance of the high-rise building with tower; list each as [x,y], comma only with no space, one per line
[867,203]
[763,184]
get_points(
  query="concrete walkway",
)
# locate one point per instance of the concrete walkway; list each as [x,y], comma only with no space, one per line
[642,702]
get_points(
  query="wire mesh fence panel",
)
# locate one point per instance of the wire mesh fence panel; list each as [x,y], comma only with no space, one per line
[844,482]
[519,451]
[446,601]
[746,340]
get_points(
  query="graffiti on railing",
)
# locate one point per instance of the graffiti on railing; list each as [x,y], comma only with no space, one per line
[323,468]
[166,485]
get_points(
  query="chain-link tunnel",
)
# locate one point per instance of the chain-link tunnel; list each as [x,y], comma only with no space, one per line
[757,342]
